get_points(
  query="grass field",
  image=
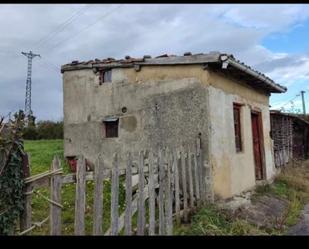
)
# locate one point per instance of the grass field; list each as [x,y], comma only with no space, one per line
[41,155]
[292,184]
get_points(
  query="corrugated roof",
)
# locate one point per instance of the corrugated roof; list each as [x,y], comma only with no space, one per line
[220,61]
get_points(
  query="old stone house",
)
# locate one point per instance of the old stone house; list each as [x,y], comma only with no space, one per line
[132,104]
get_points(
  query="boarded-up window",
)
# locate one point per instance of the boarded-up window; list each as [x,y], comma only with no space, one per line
[111,128]
[105,76]
[237,126]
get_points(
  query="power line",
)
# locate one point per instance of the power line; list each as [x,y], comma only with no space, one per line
[101,17]
[288,102]
[52,65]
[61,27]
[57,69]
[49,64]
[49,67]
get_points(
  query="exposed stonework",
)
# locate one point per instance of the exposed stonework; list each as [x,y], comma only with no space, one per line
[168,105]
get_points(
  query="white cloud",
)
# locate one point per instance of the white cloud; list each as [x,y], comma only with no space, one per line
[288,69]
[135,30]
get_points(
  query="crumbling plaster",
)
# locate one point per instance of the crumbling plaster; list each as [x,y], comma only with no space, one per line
[167,105]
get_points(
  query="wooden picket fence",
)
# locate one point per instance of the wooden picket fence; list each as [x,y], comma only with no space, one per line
[171,182]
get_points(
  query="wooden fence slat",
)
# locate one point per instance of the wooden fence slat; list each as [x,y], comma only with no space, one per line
[128,211]
[200,170]
[98,196]
[169,195]
[161,193]
[134,209]
[115,197]
[80,197]
[201,179]
[26,216]
[196,179]
[176,183]
[184,185]
[55,193]
[190,179]
[151,191]
[141,208]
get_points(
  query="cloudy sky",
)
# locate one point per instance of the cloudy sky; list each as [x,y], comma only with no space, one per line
[271,38]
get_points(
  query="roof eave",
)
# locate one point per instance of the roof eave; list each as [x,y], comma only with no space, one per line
[276,88]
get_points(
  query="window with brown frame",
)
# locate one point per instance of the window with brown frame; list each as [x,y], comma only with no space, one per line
[111,128]
[237,126]
[105,76]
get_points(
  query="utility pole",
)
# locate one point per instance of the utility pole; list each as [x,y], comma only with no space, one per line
[30,56]
[303,100]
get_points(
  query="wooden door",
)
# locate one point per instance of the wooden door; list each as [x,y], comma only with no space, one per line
[257,145]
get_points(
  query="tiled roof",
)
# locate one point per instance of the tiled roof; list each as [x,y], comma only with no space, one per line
[217,58]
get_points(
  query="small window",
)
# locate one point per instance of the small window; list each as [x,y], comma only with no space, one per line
[105,76]
[111,128]
[237,126]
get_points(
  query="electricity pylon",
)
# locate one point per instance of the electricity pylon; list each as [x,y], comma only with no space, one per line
[30,56]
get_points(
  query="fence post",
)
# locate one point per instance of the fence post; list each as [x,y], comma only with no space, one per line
[169,195]
[190,180]
[115,197]
[196,178]
[201,172]
[141,208]
[184,185]
[151,191]
[80,197]
[128,212]
[55,193]
[26,216]
[161,193]
[98,196]
[176,183]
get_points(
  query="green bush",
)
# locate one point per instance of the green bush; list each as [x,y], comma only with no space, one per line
[44,130]
[30,133]
[11,173]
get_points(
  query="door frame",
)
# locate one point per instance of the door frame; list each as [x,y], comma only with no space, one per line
[261,139]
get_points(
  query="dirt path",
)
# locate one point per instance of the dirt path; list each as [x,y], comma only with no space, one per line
[302,227]
[265,211]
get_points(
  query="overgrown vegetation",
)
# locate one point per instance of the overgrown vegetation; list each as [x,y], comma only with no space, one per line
[211,220]
[292,185]
[11,173]
[44,130]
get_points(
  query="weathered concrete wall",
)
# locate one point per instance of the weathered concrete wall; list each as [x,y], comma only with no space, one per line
[161,111]
[166,105]
[233,171]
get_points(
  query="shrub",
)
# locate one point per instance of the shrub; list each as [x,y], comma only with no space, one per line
[44,130]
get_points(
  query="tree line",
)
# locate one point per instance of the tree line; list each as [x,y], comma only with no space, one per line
[44,130]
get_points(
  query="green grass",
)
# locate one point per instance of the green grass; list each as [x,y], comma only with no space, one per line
[41,155]
[211,220]
[42,152]
[291,185]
